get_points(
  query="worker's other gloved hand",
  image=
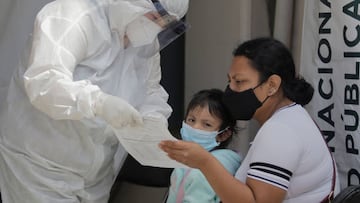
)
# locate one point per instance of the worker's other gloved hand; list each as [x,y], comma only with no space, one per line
[116,111]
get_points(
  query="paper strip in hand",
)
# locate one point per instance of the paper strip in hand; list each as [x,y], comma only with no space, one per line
[142,143]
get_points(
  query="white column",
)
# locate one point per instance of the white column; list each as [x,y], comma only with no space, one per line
[283,21]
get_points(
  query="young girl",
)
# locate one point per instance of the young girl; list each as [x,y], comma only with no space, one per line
[208,123]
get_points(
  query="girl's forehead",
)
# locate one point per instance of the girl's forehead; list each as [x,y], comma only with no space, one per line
[199,109]
[202,112]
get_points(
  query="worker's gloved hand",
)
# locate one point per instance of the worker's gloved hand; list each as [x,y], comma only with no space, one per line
[116,111]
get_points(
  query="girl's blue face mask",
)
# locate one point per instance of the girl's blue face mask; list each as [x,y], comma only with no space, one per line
[207,139]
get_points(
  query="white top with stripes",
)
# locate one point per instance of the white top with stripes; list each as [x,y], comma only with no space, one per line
[290,153]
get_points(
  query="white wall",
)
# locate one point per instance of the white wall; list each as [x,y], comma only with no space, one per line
[209,43]
[217,28]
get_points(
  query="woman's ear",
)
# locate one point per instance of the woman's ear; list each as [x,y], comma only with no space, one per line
[224,135]
[274,83]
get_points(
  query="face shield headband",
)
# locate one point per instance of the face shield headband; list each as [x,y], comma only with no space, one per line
[154,30]
[173,29]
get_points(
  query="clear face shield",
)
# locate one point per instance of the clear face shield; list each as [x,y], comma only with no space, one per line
[154,30]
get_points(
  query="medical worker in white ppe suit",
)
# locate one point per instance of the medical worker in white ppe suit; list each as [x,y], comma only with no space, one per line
[90,64]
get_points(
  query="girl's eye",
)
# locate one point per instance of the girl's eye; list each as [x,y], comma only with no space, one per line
[208,125]
[190,120]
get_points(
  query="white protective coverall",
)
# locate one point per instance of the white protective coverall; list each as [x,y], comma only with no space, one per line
[53,146]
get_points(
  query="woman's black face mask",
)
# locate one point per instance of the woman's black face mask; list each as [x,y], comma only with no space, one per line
[242,105]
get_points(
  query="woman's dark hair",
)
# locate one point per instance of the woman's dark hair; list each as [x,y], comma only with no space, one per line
[213,99]
[269,56]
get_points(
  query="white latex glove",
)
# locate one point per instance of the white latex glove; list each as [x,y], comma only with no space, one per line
[116,111]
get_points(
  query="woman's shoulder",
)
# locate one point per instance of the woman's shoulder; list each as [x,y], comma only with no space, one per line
[288,119]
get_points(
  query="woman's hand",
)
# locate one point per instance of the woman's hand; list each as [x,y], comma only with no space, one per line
[188,153]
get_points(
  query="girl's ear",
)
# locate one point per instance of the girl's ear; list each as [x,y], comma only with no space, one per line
[224,135]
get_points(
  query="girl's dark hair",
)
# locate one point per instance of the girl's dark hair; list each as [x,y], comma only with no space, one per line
[213,99]
[269,56]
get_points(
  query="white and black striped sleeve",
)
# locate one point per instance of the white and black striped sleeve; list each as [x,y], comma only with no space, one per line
[270,173]
[276,155]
